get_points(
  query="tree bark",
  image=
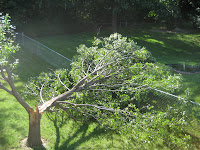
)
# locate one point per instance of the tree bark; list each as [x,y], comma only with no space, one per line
[34,137]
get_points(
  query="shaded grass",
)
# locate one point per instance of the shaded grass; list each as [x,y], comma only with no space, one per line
[170,47]
[174,48]
[167,48]
[30,65]
[66,44]
[13,117]
[58,135]
[70,134]
[13,121]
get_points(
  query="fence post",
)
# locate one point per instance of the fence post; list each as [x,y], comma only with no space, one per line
[22,38]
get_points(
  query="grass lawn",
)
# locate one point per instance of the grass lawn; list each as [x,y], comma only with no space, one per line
[166,47]
[65,134]
[173,48]
[68,134]
[66,44]
[58,135]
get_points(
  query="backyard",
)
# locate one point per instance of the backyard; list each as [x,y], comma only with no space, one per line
[99,75]
[62,132]
[166,47]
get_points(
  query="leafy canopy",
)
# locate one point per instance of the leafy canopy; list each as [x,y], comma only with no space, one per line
[113,69]
[7,37]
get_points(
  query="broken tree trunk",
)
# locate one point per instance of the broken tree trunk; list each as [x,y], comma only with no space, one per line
[34,137]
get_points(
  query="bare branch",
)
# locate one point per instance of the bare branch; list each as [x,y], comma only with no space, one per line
[66,110]
[6,89]
[41,97]
[14,91]
[111,85]
[62,82]
[60,97]
[83,67]
[33,91]
[122,112]
[2,73]
[110,90]
[89,68]
[2,78]
[87,105]
[81,82]
[100,62]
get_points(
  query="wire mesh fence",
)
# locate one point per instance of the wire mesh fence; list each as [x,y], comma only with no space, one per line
[157,98]
[162,100]
[50,56]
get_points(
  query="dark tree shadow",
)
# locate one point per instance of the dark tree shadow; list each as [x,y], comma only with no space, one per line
[83,129]
[58,123]
[7,114]
[3,116]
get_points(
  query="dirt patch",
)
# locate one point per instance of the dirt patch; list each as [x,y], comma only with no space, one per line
[23,144]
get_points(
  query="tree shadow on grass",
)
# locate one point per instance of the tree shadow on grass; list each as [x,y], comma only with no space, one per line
[77,138]
[3,116]
[6,123]
[83,138]
[166,47]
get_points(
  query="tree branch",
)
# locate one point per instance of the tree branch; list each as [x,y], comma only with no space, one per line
[15,93]
[66,110]
[2,73]
[4,88]
[41,93]
[62,82]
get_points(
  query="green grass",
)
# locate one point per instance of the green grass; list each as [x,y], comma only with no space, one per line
[173,48]
[66,44]
[13,118]
[57,135]
[30,65]
[166,47]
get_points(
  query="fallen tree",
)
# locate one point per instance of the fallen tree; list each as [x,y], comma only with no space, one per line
[102,82]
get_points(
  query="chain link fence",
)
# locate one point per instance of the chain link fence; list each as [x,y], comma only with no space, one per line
[50,56]
[157,98]
[161,100]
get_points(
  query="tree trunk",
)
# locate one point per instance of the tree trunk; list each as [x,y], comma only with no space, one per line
[34,137]
[114,22]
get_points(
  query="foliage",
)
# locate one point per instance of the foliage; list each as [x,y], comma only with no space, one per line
[139,69]
[107,76]
[7,46]
[76,13]
[100,76]
[190,11]
[166,11]
[164,128]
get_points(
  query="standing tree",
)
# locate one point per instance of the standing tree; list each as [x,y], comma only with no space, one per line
[112,71]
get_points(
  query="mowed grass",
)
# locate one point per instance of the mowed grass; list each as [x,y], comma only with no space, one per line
[66,44]
[68,134]
[56,133]
[13,118]
[166,47]
[173,48]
